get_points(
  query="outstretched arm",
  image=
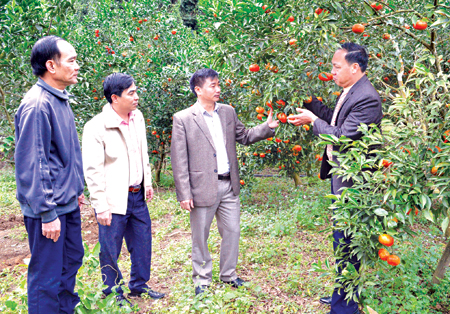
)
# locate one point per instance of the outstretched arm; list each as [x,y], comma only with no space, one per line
[249,136]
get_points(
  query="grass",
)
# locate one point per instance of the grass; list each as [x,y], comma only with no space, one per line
[282,235]
[8,202]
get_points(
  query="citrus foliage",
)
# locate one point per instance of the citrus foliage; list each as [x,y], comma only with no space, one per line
[406,169]
[145,40]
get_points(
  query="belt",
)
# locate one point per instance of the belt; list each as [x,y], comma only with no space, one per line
[134,189]
[224,176]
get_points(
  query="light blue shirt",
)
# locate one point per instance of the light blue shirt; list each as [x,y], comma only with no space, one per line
[215,129]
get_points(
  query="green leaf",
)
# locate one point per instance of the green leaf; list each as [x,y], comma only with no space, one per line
[11,305]
[444,224]
[380,212]
[428,215]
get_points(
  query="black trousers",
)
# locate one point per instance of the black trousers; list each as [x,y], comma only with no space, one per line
[54,265]
[338,303]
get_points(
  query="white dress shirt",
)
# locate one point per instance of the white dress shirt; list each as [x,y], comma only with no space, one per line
[333,119]
[215,128]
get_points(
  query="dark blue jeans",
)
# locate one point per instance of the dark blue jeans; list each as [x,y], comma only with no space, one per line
[136,227]
[338,303]
[54,265]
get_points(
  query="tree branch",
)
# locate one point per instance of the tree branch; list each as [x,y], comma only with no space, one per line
[8,117]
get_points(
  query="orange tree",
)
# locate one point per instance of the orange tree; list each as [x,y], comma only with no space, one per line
[22,23]
[148,41]
[272,55]
[292,43]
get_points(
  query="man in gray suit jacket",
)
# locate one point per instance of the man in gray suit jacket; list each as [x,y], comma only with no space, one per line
[358,103]
[206,173]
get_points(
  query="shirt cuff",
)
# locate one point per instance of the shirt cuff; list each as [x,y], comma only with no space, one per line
[49,216]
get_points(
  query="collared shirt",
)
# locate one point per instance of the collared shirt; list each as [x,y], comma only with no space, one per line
[215,128]
[129,131]
[335,113]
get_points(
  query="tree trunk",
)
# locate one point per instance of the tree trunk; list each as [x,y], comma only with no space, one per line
[159,166]
[296,178]
[439,273]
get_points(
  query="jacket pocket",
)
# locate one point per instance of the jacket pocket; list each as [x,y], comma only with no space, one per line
[195,179]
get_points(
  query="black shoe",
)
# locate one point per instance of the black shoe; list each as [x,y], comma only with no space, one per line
[325,300]
[121,301]
[238,282]
[152,294]
[200,289]
[357,312]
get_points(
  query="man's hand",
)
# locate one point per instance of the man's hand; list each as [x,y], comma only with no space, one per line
[81,200]
[105,218]
[149,195]
[305,117]
[272,123]
[52,230]
[188,205]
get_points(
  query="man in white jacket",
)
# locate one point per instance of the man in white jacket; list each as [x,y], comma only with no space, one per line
[118,176]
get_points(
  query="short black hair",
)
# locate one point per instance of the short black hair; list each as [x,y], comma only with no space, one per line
[199,78]
[115,84]
[356,54]
[43,50]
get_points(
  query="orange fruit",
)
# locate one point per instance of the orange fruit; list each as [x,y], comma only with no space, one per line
[393,260]
[242,182]
[358,28]
[420,25]
[386,239]
[307,101]
[254,67]
[434,170]
[306,127]
[383,254]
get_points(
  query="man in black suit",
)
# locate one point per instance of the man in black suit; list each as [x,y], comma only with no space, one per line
[358,103]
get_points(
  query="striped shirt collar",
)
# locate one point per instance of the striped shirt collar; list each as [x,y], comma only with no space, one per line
[203,110]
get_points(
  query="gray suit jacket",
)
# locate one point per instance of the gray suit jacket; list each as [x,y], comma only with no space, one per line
[361,105]
[193,155]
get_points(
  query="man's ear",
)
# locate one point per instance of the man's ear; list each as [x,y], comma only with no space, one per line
[50,65]
[114,98]
[198,90]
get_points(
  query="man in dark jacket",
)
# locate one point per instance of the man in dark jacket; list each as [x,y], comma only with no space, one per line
[49,176]
[358,103]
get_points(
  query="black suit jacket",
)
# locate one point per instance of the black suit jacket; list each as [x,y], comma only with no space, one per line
[361,105]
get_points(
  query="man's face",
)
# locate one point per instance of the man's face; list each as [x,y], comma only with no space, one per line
[343,73]
[66,70]
[210,91]
[128,101]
